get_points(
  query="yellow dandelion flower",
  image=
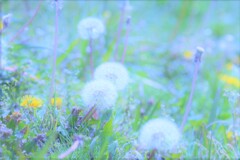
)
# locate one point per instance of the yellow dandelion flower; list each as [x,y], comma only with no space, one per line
[1,26]
[230,80]
[230,135]
[31,102]
[56,102]
[187,54]
[106,14]
[229,66]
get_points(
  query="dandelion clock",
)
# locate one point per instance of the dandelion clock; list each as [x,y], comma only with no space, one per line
[160,134]
[114,72]
[100,94]
[91,28]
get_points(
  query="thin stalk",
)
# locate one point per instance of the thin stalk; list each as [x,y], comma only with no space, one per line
[182,17]
[1,39]
[89,114]
[151,155]
[90,47]
[235,125]
[119,31]
[126,40]
[0,51]
[53,83]
[213,112]
[210,149]
[70,150]
[197,61]
[21,30]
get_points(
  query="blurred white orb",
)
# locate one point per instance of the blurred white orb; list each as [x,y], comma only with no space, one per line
[160,134]
[91,28]
[114,72]
[100,94]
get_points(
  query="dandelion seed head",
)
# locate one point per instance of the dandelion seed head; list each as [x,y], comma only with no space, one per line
[160,134]
[90,28]
[114,72]
[99,93]
[200,49]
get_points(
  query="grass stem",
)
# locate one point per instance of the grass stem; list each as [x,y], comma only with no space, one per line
[119,31]
[53,83]
[126,40]
[90,47]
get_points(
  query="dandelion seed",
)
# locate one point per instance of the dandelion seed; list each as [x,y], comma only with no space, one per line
[160,134]
[57,101]
[90,28]
[99,93]
[31,102]
[114,72]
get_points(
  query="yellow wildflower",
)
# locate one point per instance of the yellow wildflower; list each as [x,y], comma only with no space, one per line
[1,26]
[31,102]
[106,14]
[229,66]
[233,81]
[187,54]
[230,135]
[57,101]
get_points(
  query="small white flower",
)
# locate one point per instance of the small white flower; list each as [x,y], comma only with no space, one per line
[160,134]
[114,72]
[99,93]
[90,28]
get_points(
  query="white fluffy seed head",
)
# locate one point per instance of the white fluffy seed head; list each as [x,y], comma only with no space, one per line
[114,72]
[99,93]
[90,28]
[160,134]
